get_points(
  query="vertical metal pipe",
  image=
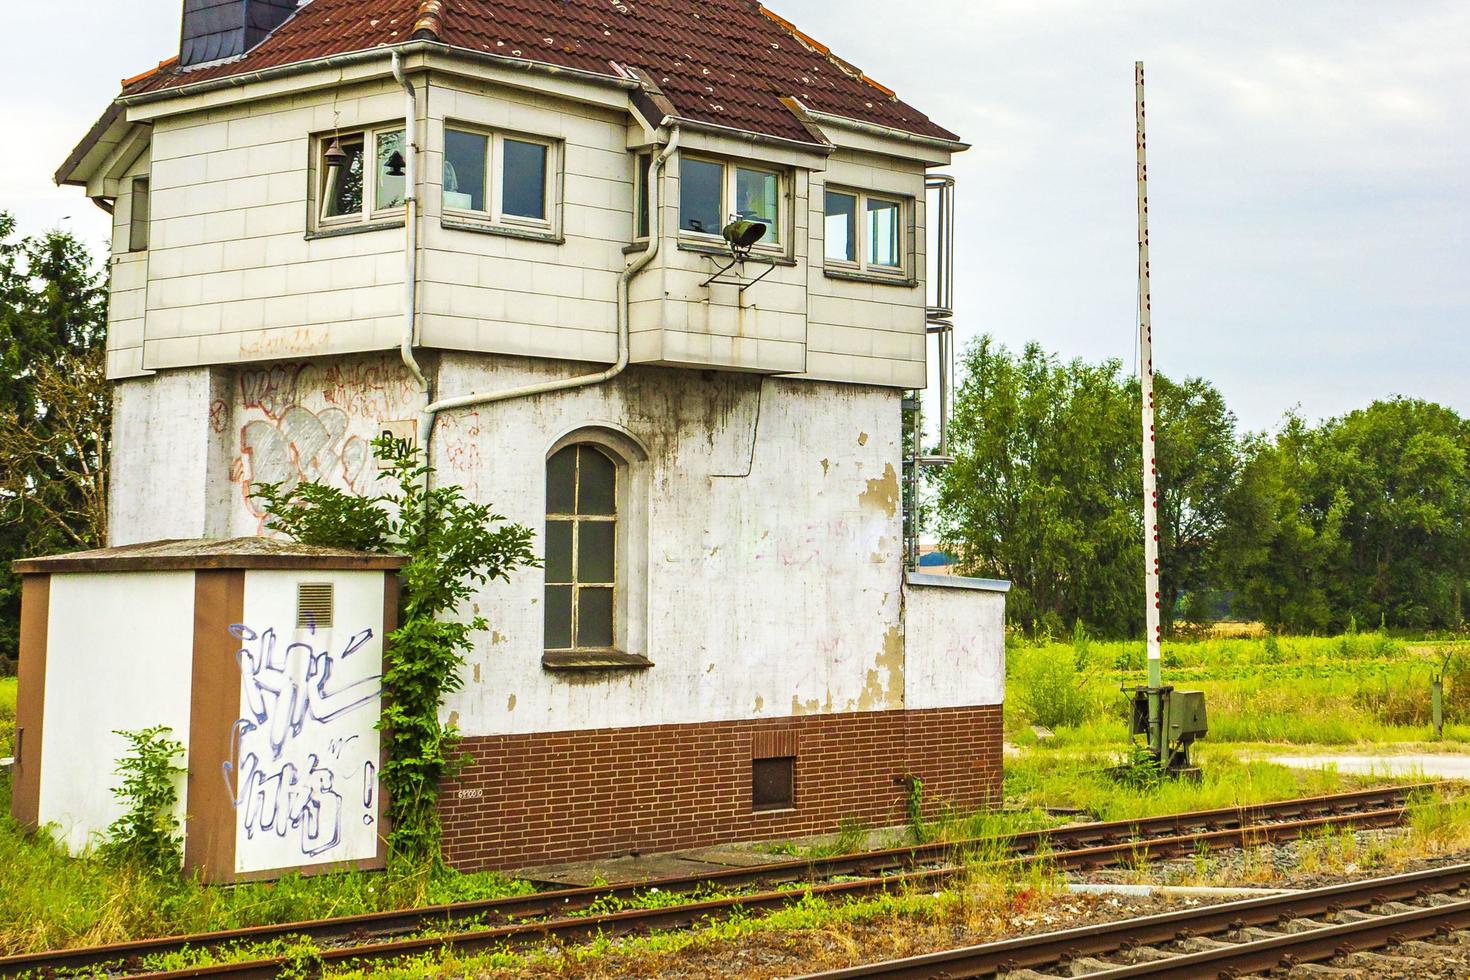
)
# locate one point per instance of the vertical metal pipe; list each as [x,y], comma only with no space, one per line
[1150,460]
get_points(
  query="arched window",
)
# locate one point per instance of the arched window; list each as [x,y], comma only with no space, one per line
[581,549]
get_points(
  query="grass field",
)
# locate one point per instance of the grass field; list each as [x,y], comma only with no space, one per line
[7,715]
[1360,689]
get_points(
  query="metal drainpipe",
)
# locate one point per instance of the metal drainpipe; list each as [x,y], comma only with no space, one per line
[655,173]
[411,227]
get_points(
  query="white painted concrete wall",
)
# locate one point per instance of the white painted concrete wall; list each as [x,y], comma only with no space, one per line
[166,466]
[113,663]
[954,641]
[305,751]
[765,595]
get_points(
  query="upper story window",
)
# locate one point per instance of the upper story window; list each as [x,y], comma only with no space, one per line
[362,176]
[138,216]
[500,179]
[866,232]
[713,192]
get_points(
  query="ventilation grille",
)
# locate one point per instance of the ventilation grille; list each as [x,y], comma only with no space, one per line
[314,605]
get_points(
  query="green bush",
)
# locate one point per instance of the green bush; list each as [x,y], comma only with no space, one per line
[147,834]
[1049,688]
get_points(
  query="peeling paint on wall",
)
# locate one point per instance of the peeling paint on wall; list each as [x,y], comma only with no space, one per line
[882,493]
[884,687]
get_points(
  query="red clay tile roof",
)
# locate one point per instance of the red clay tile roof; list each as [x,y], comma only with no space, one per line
[727,62]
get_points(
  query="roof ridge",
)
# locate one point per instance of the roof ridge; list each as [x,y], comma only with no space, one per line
[428,22]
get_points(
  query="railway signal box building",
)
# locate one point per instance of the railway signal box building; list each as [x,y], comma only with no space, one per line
[496,230]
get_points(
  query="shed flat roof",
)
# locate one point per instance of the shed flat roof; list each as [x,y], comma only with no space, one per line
[195,553]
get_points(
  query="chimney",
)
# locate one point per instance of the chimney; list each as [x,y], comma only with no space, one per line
[218,29]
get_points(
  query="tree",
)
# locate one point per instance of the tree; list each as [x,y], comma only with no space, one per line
[1044,490]
[1199,459]
[1362,518]
[53,315]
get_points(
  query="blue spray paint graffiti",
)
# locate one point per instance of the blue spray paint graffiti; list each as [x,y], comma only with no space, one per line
[283,779]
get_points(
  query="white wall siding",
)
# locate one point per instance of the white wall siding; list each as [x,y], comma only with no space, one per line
[954,642]
[113,663]
[165,467]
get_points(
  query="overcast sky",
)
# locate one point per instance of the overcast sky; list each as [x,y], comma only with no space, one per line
[1309,171]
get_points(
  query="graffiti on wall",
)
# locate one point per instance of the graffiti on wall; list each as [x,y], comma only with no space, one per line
[303,421]
[304,753]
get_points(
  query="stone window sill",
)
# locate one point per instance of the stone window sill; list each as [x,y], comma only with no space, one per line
[876,278]
[338,231]
[504,231]
[594,660]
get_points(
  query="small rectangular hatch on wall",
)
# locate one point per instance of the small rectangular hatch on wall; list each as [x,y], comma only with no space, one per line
[314,602]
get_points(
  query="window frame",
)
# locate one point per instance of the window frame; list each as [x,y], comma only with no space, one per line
[631,561]
[577,520]
[901,273]
[642,222]
[494,216]
[139,221]
[784,196]
[369,213]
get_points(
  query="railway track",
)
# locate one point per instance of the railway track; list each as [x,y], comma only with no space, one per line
[1419,917]
[568,914]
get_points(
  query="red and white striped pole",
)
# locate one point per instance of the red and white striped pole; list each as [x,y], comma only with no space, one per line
[1146,378]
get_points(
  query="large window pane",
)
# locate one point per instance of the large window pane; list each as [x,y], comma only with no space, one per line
[758,198]
[558,617]
[841,226]
[701,196]
[558,551]
[391,157]
[464,170]
[597,483]
[594,617]
[342,186]
[884,247]
[596,541]
[524,193]
[561,482]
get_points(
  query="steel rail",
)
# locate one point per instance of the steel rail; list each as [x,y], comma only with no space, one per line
[1049,949]
[687,915]
[1146,833]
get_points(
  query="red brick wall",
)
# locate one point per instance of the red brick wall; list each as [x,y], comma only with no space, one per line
[527,799]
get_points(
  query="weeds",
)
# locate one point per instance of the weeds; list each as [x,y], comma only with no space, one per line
[147,835]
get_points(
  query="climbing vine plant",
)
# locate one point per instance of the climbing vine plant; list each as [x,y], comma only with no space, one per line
[454,547]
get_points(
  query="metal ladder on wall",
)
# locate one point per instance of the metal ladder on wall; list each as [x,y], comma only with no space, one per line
[939,324]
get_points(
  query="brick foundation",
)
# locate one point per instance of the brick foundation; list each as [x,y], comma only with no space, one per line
[528,799]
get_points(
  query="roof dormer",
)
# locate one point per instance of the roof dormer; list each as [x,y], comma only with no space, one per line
[218,30]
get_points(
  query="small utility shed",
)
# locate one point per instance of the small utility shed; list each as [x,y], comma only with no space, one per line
[264,658]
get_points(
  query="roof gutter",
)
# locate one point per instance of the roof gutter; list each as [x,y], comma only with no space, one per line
[367,55]
[885,132]
[747,136]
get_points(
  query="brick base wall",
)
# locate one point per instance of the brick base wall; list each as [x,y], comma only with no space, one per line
[528,799]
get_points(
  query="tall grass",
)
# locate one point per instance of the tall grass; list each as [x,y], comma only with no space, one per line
[50,900]
[7,715]
[1359,688]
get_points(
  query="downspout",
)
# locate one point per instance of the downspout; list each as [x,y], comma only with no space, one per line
[411,227]
[655,173]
